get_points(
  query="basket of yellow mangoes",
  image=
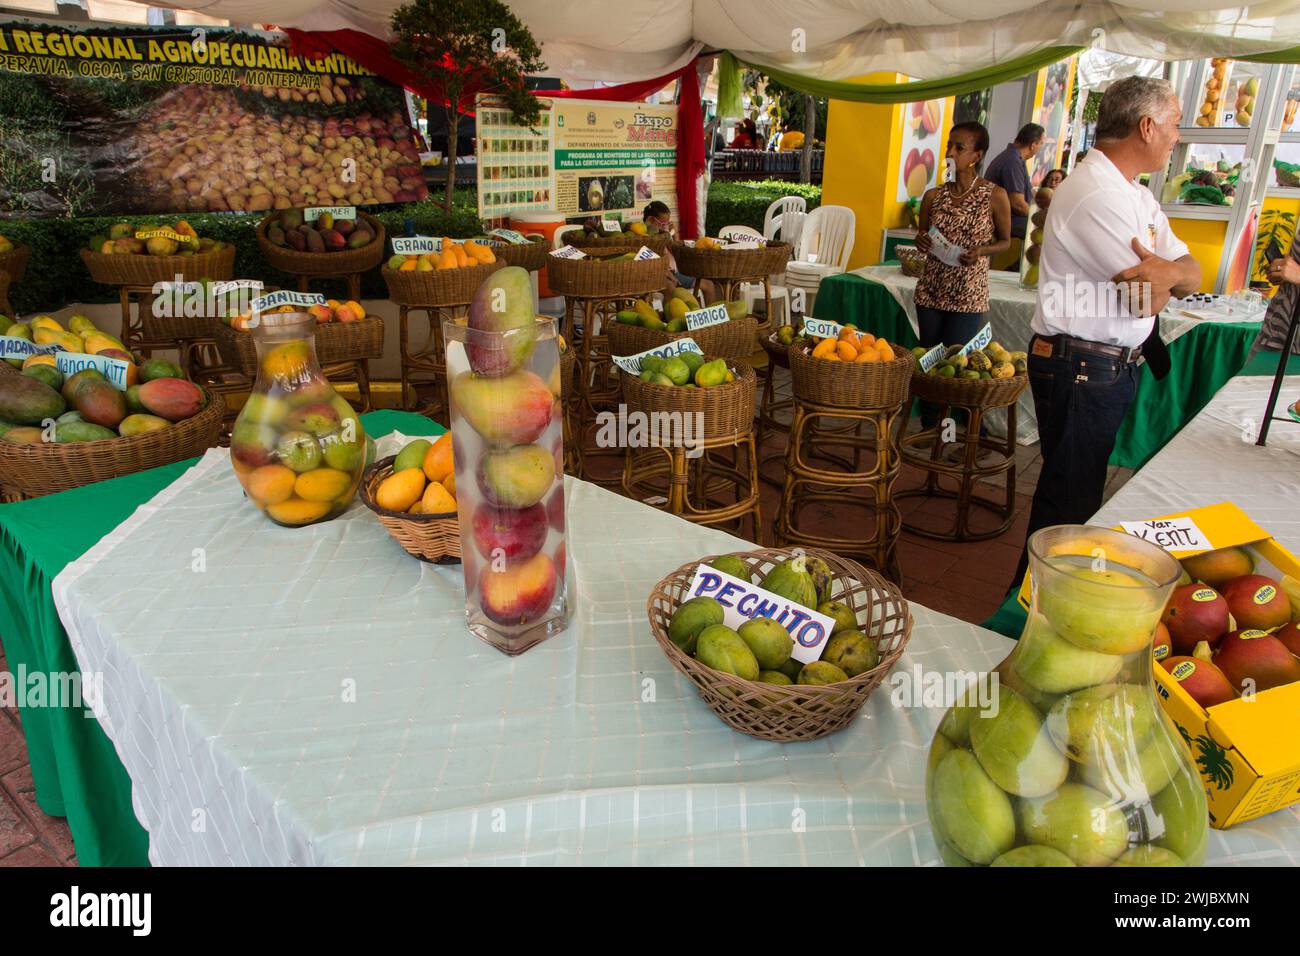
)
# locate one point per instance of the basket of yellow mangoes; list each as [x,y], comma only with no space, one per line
[413,493]
[448,277]
[854,369]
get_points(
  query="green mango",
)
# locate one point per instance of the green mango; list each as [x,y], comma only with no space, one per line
[790,579]
[732,564]
[721,648]
[693,361]
[822,575]
[773,677]
[412,455]
[770,642]
[852,652]
[628,317]
[791,669]
[652,363]
[711,373]
[677,371]
[133,404]
[840,613]
[821,672]
[82,431]
[25,400]
[690,619]
[661,379]
[68,417]
[48,374]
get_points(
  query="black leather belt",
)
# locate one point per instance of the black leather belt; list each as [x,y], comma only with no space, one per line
[1062,346]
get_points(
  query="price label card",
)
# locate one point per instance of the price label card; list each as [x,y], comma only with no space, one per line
[286,297]
[932,358]
[982,338]
[70,363]
[510,236]
[741,240]
[568,252]
[742,601]
[162,232]
[13,347]
[711,315]
[1172,534]
[611,225]
[312,213]
[416,245]
[821,328]
[645,252]
[632,363]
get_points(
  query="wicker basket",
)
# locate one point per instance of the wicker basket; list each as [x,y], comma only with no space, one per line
[859,385]
[434,538]
[34,470]
[593,278]
[800,711]
[439,288]
[727,409]
[731,263]
[525,255]
[335,342]
[778,354]
[14,261]
[620,244]
[968,392]
[912,260]
[147,270]
[735,339]
[345,262]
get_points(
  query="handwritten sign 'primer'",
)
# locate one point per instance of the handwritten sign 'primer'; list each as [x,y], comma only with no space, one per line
[1172,534]
[742,601]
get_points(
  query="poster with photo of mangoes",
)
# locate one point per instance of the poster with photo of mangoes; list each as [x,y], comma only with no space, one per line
[130,120]
[921,156]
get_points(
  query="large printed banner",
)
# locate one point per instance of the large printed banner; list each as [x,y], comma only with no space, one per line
[585,158]
[107,121]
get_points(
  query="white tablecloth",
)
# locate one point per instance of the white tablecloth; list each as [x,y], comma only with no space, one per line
[1011,310]
[312,696]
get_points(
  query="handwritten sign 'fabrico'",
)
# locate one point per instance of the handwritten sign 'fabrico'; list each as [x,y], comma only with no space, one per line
[711,315]
[312,213]
[632,363]
[821,328]
[1172,534]
[70,363]
[416,245]
[742,601]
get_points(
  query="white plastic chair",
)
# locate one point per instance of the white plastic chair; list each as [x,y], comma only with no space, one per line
[784,205]
[557,241]
[788,227]
[825,245]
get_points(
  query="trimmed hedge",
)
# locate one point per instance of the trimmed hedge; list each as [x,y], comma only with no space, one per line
[736,203]
[56,276]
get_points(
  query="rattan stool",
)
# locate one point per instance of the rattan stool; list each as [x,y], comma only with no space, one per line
[429,360]
[925,450]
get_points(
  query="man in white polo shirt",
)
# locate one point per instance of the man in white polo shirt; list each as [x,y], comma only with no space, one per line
[1109,264]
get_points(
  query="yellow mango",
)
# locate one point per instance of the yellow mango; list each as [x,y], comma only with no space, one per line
[436,500]
[298,511]
[95,341]
[70,342]
[39,360]
[322,484]
[399,491]
[46,322]
[271,484]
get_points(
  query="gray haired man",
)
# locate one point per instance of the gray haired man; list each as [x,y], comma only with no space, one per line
[1109,264]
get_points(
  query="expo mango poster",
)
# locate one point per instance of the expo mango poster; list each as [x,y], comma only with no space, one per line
[119,120]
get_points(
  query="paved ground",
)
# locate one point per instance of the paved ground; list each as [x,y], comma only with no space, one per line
[967,581]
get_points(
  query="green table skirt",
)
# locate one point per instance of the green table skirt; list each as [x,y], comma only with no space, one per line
[1202,360]
[76,771]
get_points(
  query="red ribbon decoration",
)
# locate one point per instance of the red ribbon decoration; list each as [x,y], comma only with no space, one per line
[373,53]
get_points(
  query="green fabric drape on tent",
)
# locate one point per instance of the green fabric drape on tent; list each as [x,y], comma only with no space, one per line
[920,89]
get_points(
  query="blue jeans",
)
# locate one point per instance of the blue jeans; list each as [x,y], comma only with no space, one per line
[1080,400]
[939,326]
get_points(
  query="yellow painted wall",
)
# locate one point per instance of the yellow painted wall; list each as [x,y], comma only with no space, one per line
[1204,238]
[862,164]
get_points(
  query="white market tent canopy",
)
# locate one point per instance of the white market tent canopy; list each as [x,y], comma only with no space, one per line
[622,40]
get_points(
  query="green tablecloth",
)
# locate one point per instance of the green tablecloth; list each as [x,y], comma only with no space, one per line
[76,771]
[1202,360]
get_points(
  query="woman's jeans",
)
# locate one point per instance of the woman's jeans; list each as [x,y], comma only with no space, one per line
[939,326]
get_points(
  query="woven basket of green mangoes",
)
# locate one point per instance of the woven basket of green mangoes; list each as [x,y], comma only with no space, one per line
[748,676]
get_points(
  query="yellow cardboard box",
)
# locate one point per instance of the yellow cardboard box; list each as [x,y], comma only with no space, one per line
[1248,751]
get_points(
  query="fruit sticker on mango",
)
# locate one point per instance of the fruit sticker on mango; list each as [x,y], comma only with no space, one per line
[742,601]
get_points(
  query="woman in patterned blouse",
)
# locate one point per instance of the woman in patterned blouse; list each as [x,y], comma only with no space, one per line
[972,213]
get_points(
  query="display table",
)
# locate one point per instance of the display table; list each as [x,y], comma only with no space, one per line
[74,768]
[1203,353]
[315,698]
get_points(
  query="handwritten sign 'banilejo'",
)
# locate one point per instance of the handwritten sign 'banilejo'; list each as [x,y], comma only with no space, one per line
[742,601]
[1172,534]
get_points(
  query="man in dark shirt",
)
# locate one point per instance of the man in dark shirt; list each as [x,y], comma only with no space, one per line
[1009,171]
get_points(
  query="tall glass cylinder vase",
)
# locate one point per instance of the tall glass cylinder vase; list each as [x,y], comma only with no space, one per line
[297,447]
[1068,758]
[508,448]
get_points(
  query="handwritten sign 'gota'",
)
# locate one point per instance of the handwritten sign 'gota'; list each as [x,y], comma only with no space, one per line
[742,601]
[1172,534]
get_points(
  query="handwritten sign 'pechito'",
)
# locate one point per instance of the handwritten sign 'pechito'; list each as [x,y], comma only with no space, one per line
[742,601]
